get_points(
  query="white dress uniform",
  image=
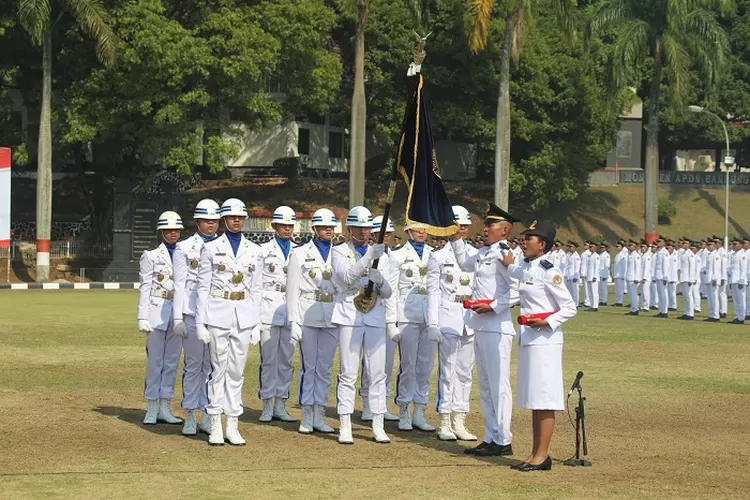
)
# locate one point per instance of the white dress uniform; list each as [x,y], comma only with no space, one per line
[585,276]
[592,279]
[573,273]
[197,367]
[660,276]
[703,257]
[416,351]
[714,276]
[605,263]
[163,347]
[723,299]
[747,295]
[739,284]
[646,269]
[697,286]
[633,276]
[447,287]
[687,277]
[540,374]
[310,297]
[654,290]
[228,303]
[494,333]
[621,266]
[672,280]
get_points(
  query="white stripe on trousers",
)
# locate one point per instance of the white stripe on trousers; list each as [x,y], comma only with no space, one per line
[275,368]
[197,369]
[416,358]
[493,352]
[455,364]
[163,350]
[316,351]
[352,341]
[229,349]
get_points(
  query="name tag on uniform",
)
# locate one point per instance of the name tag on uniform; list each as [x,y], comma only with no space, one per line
[447,265]
[310,260]
[221,254]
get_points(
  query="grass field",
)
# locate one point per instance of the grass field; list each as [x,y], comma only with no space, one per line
[667,417]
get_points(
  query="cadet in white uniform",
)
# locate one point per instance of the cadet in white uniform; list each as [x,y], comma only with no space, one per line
[573,270]
[621,267]
[447,287]
[493,327]
[310,296]
[697,286]
[714,276]
[672,276]
[197,367]
[605,262]
[739,282]
[646,269]
[227,316]
[353,268]
[390,345]
[688,278]
[163,347]
[416,344]
[723,300]
[660,276]
[746,249]
[276,345]
[540,372]
[585,273]
[633,276]
[592,278]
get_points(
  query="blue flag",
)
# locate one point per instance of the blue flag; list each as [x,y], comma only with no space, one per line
[417,163]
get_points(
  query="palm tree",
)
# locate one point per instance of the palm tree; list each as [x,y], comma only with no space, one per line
[519,15]
[358,129]
[671,36]
[35,17]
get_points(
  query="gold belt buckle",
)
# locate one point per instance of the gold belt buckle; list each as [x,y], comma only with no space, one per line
[324,297]
[281,288]
[236,295]
[420,290]
[168,295]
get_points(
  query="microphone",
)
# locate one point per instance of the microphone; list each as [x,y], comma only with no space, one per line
[576,383]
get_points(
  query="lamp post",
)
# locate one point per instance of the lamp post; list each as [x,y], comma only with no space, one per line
[728,162]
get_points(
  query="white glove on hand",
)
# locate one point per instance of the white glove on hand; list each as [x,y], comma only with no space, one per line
[180,329]
[375,276]
[202,333]
[433,334]
[393,333]
[296,332]
[255,335]
[374,252]
[144,326]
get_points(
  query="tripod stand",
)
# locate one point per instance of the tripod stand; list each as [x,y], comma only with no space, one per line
[580,434]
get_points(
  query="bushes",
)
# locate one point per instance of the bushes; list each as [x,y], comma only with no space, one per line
[667,210]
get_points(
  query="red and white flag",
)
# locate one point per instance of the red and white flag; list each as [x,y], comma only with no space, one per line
[4,197]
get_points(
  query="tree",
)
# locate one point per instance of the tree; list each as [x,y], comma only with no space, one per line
[358,130]
[671,37]
[35,17]
[519,14]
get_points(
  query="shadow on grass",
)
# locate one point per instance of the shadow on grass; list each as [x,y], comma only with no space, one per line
[713,202]
[134,416]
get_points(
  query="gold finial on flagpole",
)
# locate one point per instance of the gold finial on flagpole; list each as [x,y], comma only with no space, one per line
[419,52]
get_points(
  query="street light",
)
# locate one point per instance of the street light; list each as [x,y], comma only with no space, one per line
[728,161]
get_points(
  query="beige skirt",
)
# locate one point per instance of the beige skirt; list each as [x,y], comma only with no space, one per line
[540,377]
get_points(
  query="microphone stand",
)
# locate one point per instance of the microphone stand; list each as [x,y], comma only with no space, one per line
[580,434]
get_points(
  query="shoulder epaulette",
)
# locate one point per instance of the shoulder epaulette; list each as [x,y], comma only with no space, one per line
[339,243]
[546,264]
[504,246]
[399,247]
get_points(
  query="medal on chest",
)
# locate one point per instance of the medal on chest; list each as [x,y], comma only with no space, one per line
[327,274]
[464,280]
[194,263]
[237,277]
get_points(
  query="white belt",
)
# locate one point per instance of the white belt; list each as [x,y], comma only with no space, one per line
[163,294]
[221,294]
[278,287]
[319,296]
[419,290]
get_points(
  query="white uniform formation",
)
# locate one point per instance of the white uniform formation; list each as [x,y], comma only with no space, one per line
[214,297]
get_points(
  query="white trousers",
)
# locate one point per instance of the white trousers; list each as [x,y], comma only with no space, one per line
[747,302]
[654,294]
[229,348]
[593,287]
[316,351]
[646,295]
[573,289]
[633,295]
[739,297]
[586,293]
[661,291]
[416,355]
[197,369]
[162,357]
[390,354]
[713,301]
[696,289]
[687,296]
[619,290]
[493,352]
[455,363]
[603,291]
[704,285]
[352,341]
[723,301]
[672,295]
[275,369]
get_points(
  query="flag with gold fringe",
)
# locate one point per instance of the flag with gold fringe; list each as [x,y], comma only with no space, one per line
[427,202]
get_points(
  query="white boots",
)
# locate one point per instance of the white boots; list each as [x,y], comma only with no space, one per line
[205,425]
[345,429]
[152,412]
[165,413]
[378,433]
[404,418]
[280,413]
[267,414]
[459,428]
[390,417]
[306,426]
[319,420]
[216,438]
[232,433]
[366,412]
[191,426]
[445,433]
[419,421]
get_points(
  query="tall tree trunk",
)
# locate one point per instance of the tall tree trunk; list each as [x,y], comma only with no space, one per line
[358,129]
[652,148]
[44,166]
[502,123]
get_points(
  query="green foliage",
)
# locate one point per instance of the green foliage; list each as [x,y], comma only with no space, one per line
[667,210]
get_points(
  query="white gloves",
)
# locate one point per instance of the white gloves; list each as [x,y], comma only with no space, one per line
[203,334]
[375,276]
[180,329]
[255,335]
[144,326]
[374,252]
[393,333]
[296,332]
[433,333]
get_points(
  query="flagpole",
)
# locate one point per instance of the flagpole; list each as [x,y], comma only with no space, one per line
[366,302]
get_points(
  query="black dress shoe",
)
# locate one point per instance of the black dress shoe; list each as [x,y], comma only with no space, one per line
[495,450]
[662,315]
[722,316]
[673,309]
[632,313]
[546,465]
[711,320]
[737,322]
[480,446]
[518,466]
[618,305]
[688,318]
